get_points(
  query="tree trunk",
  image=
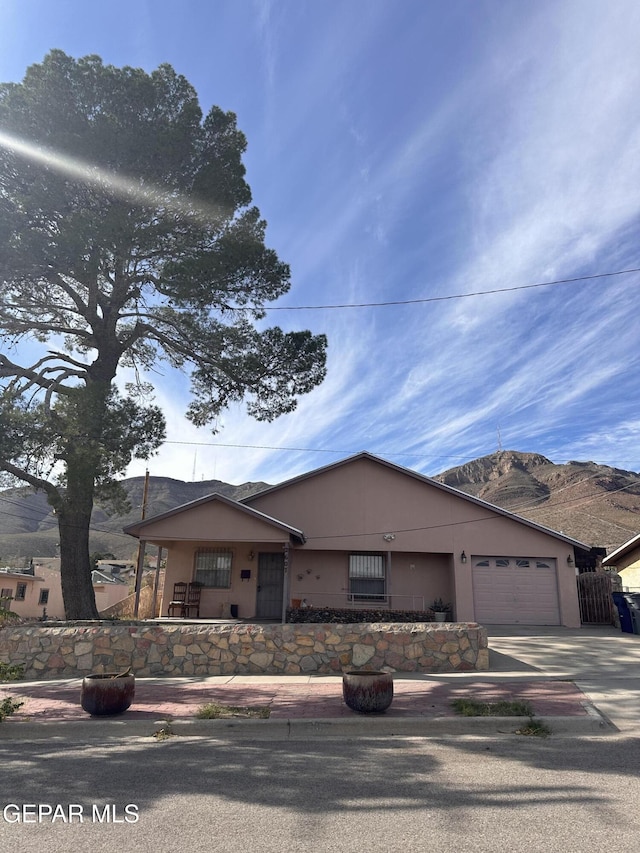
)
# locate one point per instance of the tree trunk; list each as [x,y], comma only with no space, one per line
[74,518]
[75,567]
[83,458]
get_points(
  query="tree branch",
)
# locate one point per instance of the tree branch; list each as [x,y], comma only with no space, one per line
[8,368]
[36,482]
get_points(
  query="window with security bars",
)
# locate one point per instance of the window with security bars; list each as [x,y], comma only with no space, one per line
[6,593]
[213,567]
[367,577]
[21,591]
[44,596]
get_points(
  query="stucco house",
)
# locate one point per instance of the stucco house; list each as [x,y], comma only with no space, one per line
[363,533]
[626,562]
[29,592]
[35,590]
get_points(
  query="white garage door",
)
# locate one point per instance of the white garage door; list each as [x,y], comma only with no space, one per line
[510,591]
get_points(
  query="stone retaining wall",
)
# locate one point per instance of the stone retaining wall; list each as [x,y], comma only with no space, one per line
[151,649]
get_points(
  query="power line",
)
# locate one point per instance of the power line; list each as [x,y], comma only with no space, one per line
[352,452]
[447,298]
[54,524]
[586,498]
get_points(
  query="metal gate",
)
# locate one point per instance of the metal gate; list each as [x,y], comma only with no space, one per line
[270,585]
[594,596]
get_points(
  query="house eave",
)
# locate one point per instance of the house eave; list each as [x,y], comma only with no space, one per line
[622,551]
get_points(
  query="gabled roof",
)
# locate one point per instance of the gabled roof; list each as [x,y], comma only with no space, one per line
[100,577]
[138,528]
[424,479]
[622,551]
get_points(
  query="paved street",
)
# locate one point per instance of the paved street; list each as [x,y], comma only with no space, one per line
[326,789]
[237,794]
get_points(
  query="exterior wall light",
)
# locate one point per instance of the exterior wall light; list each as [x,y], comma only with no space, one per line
[463,557]
[569,560]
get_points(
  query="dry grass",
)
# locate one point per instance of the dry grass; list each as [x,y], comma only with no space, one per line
[215,711]
[472,708]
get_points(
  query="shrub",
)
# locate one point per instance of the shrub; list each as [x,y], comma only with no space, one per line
[336,616]
[11,672]
[9,706]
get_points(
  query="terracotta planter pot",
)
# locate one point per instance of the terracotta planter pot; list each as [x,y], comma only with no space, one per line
[367,692]
[107,693]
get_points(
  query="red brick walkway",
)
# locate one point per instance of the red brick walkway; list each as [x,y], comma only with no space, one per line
[161,698]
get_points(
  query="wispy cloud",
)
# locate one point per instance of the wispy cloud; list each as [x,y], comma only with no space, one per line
[407,151]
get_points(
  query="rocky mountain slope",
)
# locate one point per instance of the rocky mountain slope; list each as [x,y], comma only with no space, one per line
[593,503]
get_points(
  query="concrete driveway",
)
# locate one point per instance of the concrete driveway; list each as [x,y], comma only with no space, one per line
[603,662]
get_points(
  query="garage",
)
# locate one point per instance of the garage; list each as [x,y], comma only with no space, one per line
[515,590]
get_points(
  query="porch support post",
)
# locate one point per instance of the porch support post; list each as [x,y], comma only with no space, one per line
[156,583]
[141,552]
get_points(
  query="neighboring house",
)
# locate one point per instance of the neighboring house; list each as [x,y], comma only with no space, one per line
[626,562]
[108,589]
[365,533]
[124,569]
[29,592]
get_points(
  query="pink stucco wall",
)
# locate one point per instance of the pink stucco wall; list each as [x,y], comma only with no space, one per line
[414,579]
[108,594]
[213,521]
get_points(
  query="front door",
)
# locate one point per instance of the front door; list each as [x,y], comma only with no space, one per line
[270,585]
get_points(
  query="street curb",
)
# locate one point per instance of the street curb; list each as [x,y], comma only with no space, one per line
[593,723]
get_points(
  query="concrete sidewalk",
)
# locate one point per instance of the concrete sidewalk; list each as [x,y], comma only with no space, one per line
[418,701]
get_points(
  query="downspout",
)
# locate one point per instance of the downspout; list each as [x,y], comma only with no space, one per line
[388,572]
[285,584]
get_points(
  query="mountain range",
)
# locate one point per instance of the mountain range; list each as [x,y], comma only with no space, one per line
[596,504]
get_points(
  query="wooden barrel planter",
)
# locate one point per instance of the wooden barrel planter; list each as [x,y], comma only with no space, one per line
[367,692]
[107,693]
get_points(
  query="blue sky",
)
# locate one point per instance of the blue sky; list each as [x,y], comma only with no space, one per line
[405,151]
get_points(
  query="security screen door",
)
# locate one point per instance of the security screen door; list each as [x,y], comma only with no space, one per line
[270,585]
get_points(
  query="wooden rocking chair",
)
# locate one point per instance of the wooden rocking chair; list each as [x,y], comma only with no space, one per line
[179,599]
[193,600]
